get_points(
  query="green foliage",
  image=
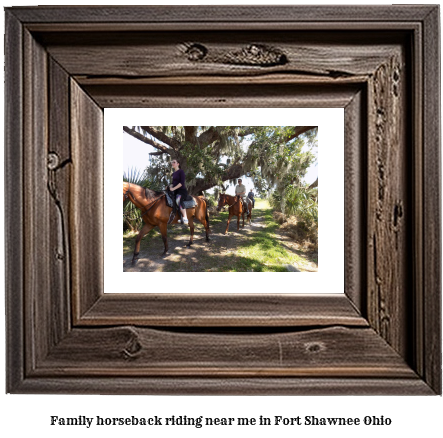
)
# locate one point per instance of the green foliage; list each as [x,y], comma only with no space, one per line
[273,156]
[211,199]
[283,163]
[302,202]
[284,170]
[261,185]
[299,201]
[158,174]
[200,163]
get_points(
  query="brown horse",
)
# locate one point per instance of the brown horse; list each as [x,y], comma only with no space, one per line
[156,213]
[235,209]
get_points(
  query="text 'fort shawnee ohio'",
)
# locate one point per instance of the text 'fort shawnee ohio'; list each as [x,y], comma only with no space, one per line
[201,421]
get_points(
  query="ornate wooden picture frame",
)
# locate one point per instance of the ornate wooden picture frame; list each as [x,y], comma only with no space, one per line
[64,65]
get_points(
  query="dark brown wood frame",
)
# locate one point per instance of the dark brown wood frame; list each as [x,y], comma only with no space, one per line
[64,65]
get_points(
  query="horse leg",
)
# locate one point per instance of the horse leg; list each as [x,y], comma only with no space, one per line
[203,218]
[145,230]
[207,231]
[191,226]
[238,222]
[206,224]
[164,232]
[227,225]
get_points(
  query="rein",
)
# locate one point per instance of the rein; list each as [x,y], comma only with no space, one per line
[229,206]
[127,191]
[155,202]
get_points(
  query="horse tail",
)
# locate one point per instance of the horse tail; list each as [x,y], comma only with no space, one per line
[207,215]
[205,201]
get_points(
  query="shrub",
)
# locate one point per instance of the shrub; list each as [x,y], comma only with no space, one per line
[306,236]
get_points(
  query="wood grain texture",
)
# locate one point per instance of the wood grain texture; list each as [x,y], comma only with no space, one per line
[206,310]
[129,351]
[233,95]
[225,14]
[59,166]
[226,386]
[275,78]
[355,194]
[14,239]
[231,26]
[86,200]
[161,54]
[66,64]
[388,204]
[417,246]
[38,307]
[431,316]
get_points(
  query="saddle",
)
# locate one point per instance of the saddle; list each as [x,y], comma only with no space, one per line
[189,202]
[249,202]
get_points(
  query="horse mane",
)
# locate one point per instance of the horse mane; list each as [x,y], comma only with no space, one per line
[150,194]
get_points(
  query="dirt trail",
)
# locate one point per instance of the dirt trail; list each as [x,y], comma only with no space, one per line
[221,253]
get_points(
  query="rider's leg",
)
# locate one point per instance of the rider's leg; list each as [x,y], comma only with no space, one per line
[245,205]
[183,210]
[185,218]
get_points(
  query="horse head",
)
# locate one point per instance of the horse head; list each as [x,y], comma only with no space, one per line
[222,200]
[125,190]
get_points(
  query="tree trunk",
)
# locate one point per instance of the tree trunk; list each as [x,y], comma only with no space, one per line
[314,184]
[235,171]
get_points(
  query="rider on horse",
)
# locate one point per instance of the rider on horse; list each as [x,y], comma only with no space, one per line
[251,197]
[178,186]
[240,191]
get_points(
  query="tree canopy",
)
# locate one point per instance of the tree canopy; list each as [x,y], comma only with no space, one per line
[273,156]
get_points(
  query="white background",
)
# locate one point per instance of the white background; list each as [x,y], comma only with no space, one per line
[29,414]
[329,278]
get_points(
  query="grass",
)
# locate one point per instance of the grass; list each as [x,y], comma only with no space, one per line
[261,251]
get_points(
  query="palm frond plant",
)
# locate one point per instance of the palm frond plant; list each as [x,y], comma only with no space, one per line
[301,201]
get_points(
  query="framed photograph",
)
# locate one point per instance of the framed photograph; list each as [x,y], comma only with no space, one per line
[220,230]
[378,331]
[259,245]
